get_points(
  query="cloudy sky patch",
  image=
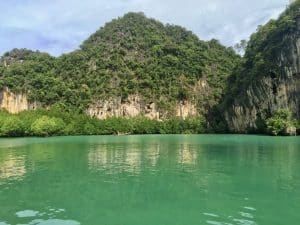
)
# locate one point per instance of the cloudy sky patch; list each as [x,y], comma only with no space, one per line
[60,26]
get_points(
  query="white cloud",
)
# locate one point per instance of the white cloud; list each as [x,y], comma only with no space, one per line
[59,26]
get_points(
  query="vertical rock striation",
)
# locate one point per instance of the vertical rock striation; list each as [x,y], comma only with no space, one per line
[276,83]
[134,106]
[15,103]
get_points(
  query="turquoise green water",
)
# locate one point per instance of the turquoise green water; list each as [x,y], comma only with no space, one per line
[150,180]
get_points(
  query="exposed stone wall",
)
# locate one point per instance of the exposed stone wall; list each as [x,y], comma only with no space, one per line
[136,106]
[15,103]
[268,94]
[115,107]
[185,109]
[133,106]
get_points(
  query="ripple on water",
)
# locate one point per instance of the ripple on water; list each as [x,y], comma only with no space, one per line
[27,213]
[210,214]
[246,215]
[249,208]
[54,222]
[3,223]
[213,222]
[244,222]
[39,221]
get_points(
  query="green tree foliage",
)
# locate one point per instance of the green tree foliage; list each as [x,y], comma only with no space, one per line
[47,126]
[280,122]
[298,126]
[56,121]
[11,126]
[241,46]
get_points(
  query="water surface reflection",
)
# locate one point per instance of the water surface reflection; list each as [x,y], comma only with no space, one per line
[193,179]
[12,167]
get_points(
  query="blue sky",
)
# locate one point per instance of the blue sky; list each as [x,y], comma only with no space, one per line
[59,26]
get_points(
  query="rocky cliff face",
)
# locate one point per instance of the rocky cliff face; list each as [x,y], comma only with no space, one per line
[267,94]
[134,105]
[260,102]
[185,109]
[15,103]
[114,107]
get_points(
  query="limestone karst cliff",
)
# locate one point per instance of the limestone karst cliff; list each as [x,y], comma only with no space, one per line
[131,107]
[15,103]
[134,106]
[269,79]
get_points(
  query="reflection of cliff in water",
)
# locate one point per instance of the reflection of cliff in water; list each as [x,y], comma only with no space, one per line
[187,155]
[12,167]
[116,159]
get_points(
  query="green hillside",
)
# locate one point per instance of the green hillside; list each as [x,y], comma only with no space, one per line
[130,55]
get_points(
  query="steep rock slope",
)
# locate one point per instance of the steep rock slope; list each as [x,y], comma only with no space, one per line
[15,103]
[269,78]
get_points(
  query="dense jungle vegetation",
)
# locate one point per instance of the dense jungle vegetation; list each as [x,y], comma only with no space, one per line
[43,122]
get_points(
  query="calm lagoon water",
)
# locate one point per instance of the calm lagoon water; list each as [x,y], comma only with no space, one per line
[150,180]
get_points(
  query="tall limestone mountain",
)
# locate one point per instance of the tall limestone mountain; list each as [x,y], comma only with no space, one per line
[132,66]
[269,77]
